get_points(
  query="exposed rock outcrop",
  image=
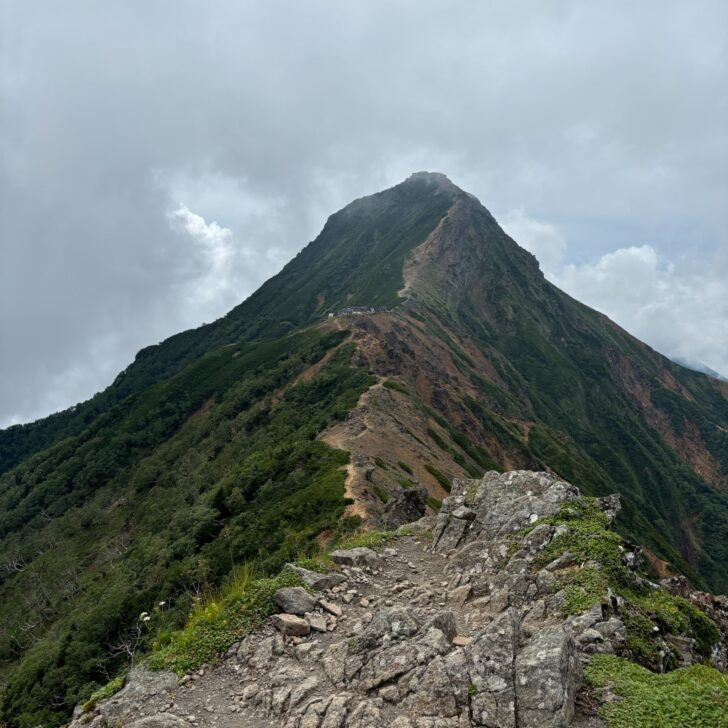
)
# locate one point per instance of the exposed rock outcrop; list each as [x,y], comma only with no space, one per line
[473,627]
[406,506]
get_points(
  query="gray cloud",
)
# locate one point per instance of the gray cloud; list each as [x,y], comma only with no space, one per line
[159,160]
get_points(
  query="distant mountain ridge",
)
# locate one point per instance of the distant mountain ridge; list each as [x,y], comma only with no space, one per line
[259,435]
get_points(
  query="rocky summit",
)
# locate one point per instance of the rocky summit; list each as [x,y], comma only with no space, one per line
[490,614]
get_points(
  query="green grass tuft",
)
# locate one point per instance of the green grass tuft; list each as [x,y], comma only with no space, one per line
[693,696]
[111,688]
[407,468]
[589,539]
[396,386]
[367,539]
[434,503]
[380,493]
[582,589]
[217,623]
[439,477]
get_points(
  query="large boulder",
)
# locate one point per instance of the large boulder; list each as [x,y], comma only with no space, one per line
[359,556]
[291,625]
[498,505]
[141,687]
[548,673]
[490,657]
[316,580]
[406,506]
[388,624]
[294,600]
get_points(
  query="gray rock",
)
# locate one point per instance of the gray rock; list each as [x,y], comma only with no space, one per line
[460,595]
[435,695]
[499,600]
[259,655]
[302,691]
[360,556]
[291,625]
[406,506]
[586,619]
[160,721]
[387,664]
[610,506]
[548,673]
[435,641]
[330,607]
[456,667]
[294,600]
[280,699]
[613,631]
[588,636]
[392,623]
[366,715]
[490,657]
[315,580]
[684,648]
[537,539]
[333,661]
[422,526]
[316,621]
[445,621]
[336,712]
[141,686]
[503,503]
[450,532]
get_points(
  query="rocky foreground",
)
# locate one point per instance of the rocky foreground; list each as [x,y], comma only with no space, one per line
[480,618]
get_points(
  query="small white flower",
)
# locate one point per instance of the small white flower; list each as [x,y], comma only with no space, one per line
[147,618]
[161,604]
[143,615]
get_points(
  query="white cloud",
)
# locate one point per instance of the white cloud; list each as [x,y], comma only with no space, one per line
[223,263]
[540,238]
[679,306]
[607,118]
[215,247]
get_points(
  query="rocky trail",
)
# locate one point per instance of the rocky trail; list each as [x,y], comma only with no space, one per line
[456,624]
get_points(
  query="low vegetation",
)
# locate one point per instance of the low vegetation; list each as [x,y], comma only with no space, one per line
[405,466]
[396,386]
[439,477]
[158,502]
[111,688]
[366,539]
[647,613]
[219,621]
[434,503]
[693,696]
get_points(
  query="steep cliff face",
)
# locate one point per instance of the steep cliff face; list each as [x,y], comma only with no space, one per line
[518,607]
[276,429]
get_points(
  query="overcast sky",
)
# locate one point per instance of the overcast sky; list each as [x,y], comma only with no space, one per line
[159,160]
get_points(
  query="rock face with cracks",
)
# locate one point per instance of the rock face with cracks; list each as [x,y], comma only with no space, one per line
[461,629]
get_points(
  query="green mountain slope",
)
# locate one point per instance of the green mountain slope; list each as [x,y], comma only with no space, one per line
[226,443]
[356,260]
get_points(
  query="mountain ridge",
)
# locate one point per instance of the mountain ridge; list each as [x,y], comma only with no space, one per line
[275,428]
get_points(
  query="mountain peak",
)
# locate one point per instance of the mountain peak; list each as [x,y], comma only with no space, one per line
[432,177]
[437,182]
